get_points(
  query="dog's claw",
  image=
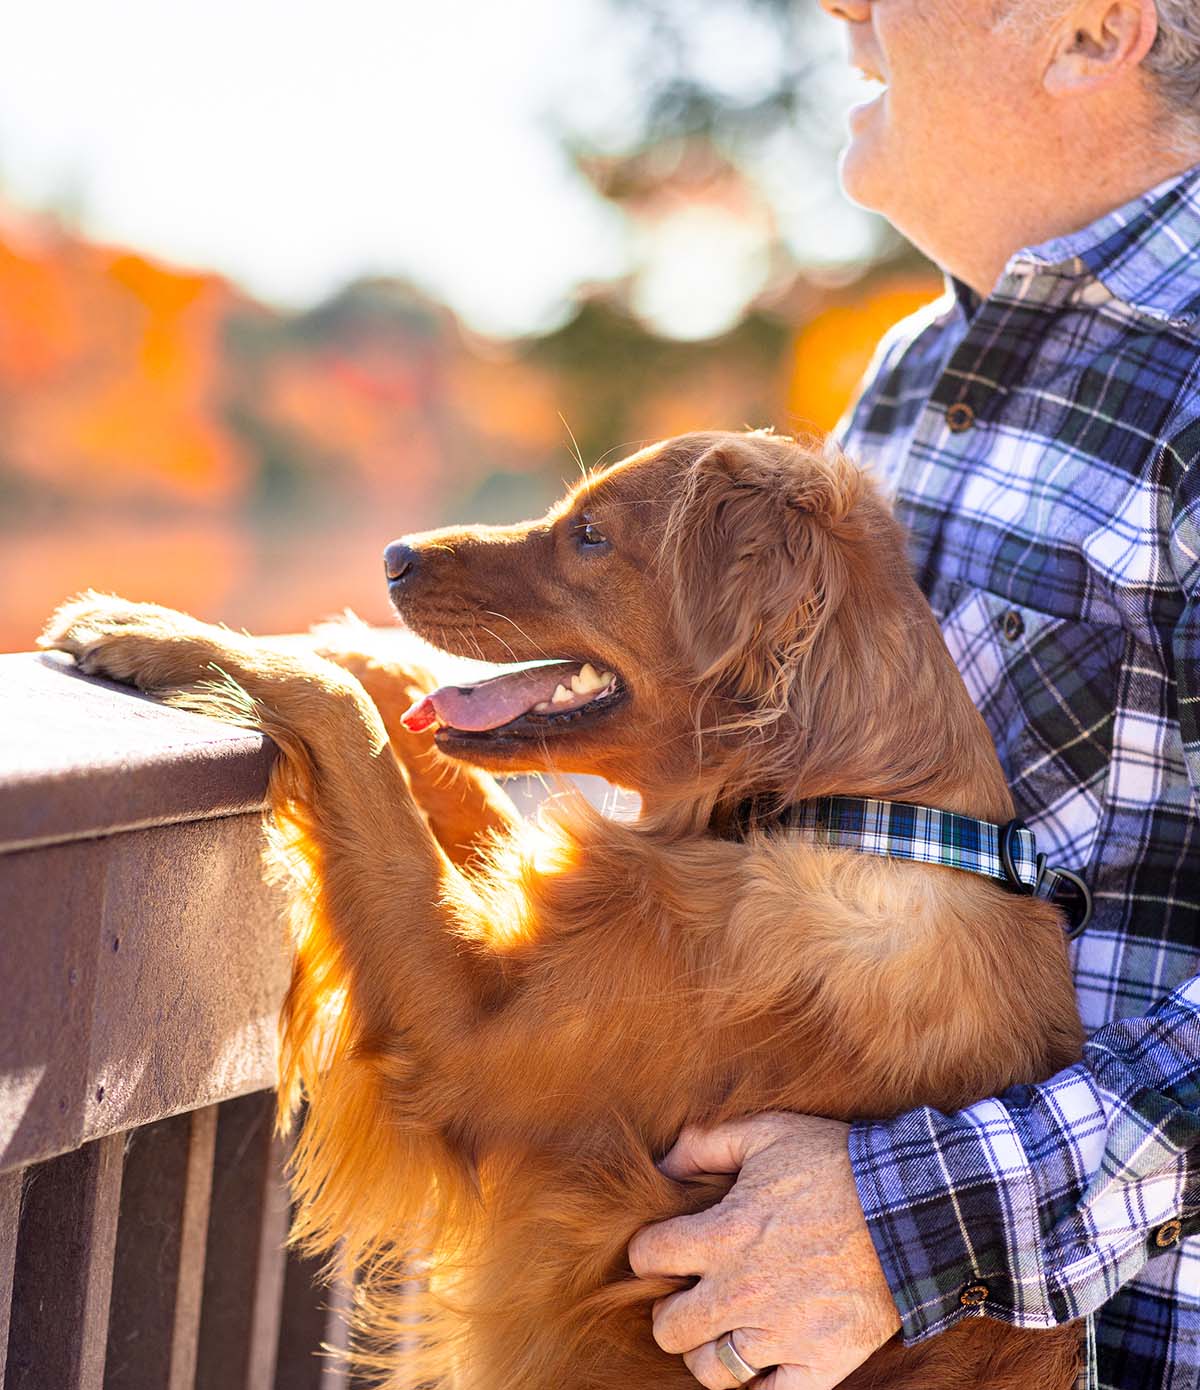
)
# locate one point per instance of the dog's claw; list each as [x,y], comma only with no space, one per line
[120,639]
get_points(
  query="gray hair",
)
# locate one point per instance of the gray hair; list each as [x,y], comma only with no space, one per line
[1174,59]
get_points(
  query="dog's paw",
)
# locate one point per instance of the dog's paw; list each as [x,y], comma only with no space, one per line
[138,644]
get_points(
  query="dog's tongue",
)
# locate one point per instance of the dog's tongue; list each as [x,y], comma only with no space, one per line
[490,703]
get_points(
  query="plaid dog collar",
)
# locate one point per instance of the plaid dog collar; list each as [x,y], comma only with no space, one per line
[1006,854]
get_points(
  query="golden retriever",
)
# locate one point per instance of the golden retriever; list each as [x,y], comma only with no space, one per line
[499,1025]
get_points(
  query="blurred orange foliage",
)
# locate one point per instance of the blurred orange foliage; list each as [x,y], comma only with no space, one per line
[166,437]
[833,349]
[114,365]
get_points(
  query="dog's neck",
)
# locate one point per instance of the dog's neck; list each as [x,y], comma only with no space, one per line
[895,722]
[888,718]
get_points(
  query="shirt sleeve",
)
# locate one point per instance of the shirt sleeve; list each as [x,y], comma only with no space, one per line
[1035,1207]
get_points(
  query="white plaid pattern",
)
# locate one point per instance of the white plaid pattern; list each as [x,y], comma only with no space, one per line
[1058,540]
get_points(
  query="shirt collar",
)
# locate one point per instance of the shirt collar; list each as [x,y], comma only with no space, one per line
[1146,254]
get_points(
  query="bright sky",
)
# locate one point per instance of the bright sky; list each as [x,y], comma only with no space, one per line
[294,145]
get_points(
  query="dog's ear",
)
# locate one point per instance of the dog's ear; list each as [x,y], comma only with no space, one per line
[754,543]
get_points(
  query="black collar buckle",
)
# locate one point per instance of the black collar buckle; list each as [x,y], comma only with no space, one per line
[1061,888]
[1013,881]
[1072,897]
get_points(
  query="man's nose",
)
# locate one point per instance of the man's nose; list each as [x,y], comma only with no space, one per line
[852,11]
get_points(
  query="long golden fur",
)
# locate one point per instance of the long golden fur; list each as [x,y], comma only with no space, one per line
[498,1026]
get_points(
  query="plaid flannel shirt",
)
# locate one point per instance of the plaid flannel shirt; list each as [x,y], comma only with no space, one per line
[1043,448]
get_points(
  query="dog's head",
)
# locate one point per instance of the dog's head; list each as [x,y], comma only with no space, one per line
[709,604]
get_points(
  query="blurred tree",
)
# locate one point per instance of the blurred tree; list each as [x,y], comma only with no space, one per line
[725,106]
[713,136]
[734,71]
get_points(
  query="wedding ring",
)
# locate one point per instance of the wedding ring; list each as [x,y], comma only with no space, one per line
[737,1366]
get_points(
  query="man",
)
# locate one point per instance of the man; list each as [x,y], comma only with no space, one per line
[1040,428]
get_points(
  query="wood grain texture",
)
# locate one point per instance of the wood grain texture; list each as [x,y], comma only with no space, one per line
[63,1270]
[243,1271]
[159,1268]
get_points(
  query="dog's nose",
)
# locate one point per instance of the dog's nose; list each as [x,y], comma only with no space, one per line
[399,563]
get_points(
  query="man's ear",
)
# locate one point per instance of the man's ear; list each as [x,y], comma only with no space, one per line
[1104,40]
[756,566]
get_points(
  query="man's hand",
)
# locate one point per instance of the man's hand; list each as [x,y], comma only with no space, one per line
[785,1261]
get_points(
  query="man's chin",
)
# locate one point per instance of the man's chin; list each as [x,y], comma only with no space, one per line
[862,172]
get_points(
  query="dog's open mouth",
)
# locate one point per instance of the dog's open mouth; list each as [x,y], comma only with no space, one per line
[524,702]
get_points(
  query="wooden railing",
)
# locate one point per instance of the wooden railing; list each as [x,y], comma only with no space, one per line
[142,961]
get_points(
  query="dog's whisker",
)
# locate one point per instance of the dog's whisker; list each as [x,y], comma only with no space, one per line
[629,446]
[577,453]
[491,613]
[508,647]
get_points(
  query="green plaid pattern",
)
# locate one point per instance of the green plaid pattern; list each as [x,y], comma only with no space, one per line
[898,830]
[1043,449]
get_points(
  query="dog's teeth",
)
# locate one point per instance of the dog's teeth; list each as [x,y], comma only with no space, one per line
[607,679]
[561,695]
[543,707]
[587,680]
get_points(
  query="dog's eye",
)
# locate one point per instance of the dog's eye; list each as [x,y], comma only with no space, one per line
[589,533]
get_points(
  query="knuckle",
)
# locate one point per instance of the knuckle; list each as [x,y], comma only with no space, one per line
[662,1336]
[686,1139]
[671,1343]
[641,1252]
[669,1334]
[705,1368]
[677,1330]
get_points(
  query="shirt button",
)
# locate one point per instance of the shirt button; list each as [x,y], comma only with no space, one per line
[959,417]
[1012,625]
[1168,1234]
[973,1295]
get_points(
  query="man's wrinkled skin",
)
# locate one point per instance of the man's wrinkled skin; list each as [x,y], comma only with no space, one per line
[785,1259]
[1004,123]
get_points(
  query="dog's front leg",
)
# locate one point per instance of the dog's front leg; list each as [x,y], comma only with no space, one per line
[466,807]
[380,988]
[380,871]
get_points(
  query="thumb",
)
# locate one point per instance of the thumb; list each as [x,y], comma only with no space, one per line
[720,1150]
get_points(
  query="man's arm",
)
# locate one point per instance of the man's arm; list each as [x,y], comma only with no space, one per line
[1055,1195]
[1037,1206]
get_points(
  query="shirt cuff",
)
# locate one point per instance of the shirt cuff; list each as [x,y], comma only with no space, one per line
[951,1209]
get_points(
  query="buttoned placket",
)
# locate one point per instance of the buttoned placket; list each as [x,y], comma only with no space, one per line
[965,400]
[998,337]
[1001,334]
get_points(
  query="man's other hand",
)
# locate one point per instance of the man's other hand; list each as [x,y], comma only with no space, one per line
[785,1261]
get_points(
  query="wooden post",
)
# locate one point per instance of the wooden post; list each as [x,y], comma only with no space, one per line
[63,1270]
[243,1271]
[10,1209]
[154,1320]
